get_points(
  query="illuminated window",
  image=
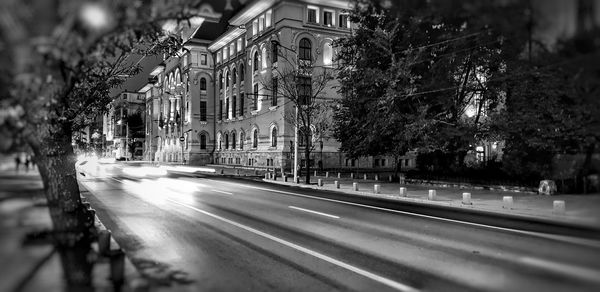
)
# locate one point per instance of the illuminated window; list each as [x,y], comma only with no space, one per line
[327,54]
[264,58]
[255,27]
[203,59]
[261,23]
[268,17]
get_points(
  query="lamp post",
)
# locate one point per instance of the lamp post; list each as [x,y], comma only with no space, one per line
[277,44]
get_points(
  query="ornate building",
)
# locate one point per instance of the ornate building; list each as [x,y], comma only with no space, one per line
[221,98]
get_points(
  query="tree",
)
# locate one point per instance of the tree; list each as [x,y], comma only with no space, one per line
[412,69]
[300,81]
[64,57]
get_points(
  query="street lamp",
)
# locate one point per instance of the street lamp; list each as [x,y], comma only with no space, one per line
[276,43]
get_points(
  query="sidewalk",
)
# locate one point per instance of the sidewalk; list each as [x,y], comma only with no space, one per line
[28,261]
[579,209]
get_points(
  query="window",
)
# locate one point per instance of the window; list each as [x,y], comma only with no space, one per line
[343,21]
[268,17]
[376,162]
[234,107]
[203,111]
[220,80]
[234,77]
[242,140]
[219,141]
[227,79]
[239,45]
[327,54]
[255,99]
[328,18]
[261,23]
[242,73]
[242,104]
[225,53]
[305,49]
[304,90]
[312,15]
[382,162]
[220,109]
[274,137]
[275,88]
[255,27]
[202,141]
[233,140]
[226,141]
[264,58]
[232,49]
[255,63]
[227,108]
[203,59]
[274,52]
[202,83]
[255,139]
[219,57]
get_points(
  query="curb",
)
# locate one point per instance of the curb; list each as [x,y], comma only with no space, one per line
[464,208]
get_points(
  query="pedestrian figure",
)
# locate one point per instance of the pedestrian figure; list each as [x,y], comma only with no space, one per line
[17,163]
[27,163]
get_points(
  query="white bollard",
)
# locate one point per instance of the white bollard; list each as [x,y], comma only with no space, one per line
[339,175]
[327,174]
[403,192]
[355,186]
[558,207]
[336,184]
[466,199]
[431,195]
[320,182]
[507,202]
[376,189]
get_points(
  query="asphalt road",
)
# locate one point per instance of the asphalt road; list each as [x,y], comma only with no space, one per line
[219,234]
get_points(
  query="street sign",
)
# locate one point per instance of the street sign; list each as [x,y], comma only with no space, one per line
[181,139]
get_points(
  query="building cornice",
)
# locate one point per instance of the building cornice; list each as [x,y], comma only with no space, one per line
[226,38]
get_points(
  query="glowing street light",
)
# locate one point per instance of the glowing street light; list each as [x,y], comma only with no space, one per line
[95,15]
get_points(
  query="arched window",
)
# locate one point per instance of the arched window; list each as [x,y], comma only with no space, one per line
[242,73]
[226,141]
[219,141]
[242,140]
[327,54]
[233,140]
[202,83]
[202,141]
[227,79]
[255,63]
[220,80]
[264,58]
[234,77]
[255,138]
[274,137]
[305,49]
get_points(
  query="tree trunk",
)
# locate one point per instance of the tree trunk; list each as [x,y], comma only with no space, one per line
[307,156]
[73,223]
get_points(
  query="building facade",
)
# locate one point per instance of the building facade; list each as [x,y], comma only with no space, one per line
[222,98]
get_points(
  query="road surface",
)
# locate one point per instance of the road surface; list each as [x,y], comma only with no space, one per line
[220,234]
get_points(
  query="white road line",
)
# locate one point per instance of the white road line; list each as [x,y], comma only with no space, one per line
[388,282]
[222,192]
[118,180]
[314,212]
[588,242]
[574,271]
